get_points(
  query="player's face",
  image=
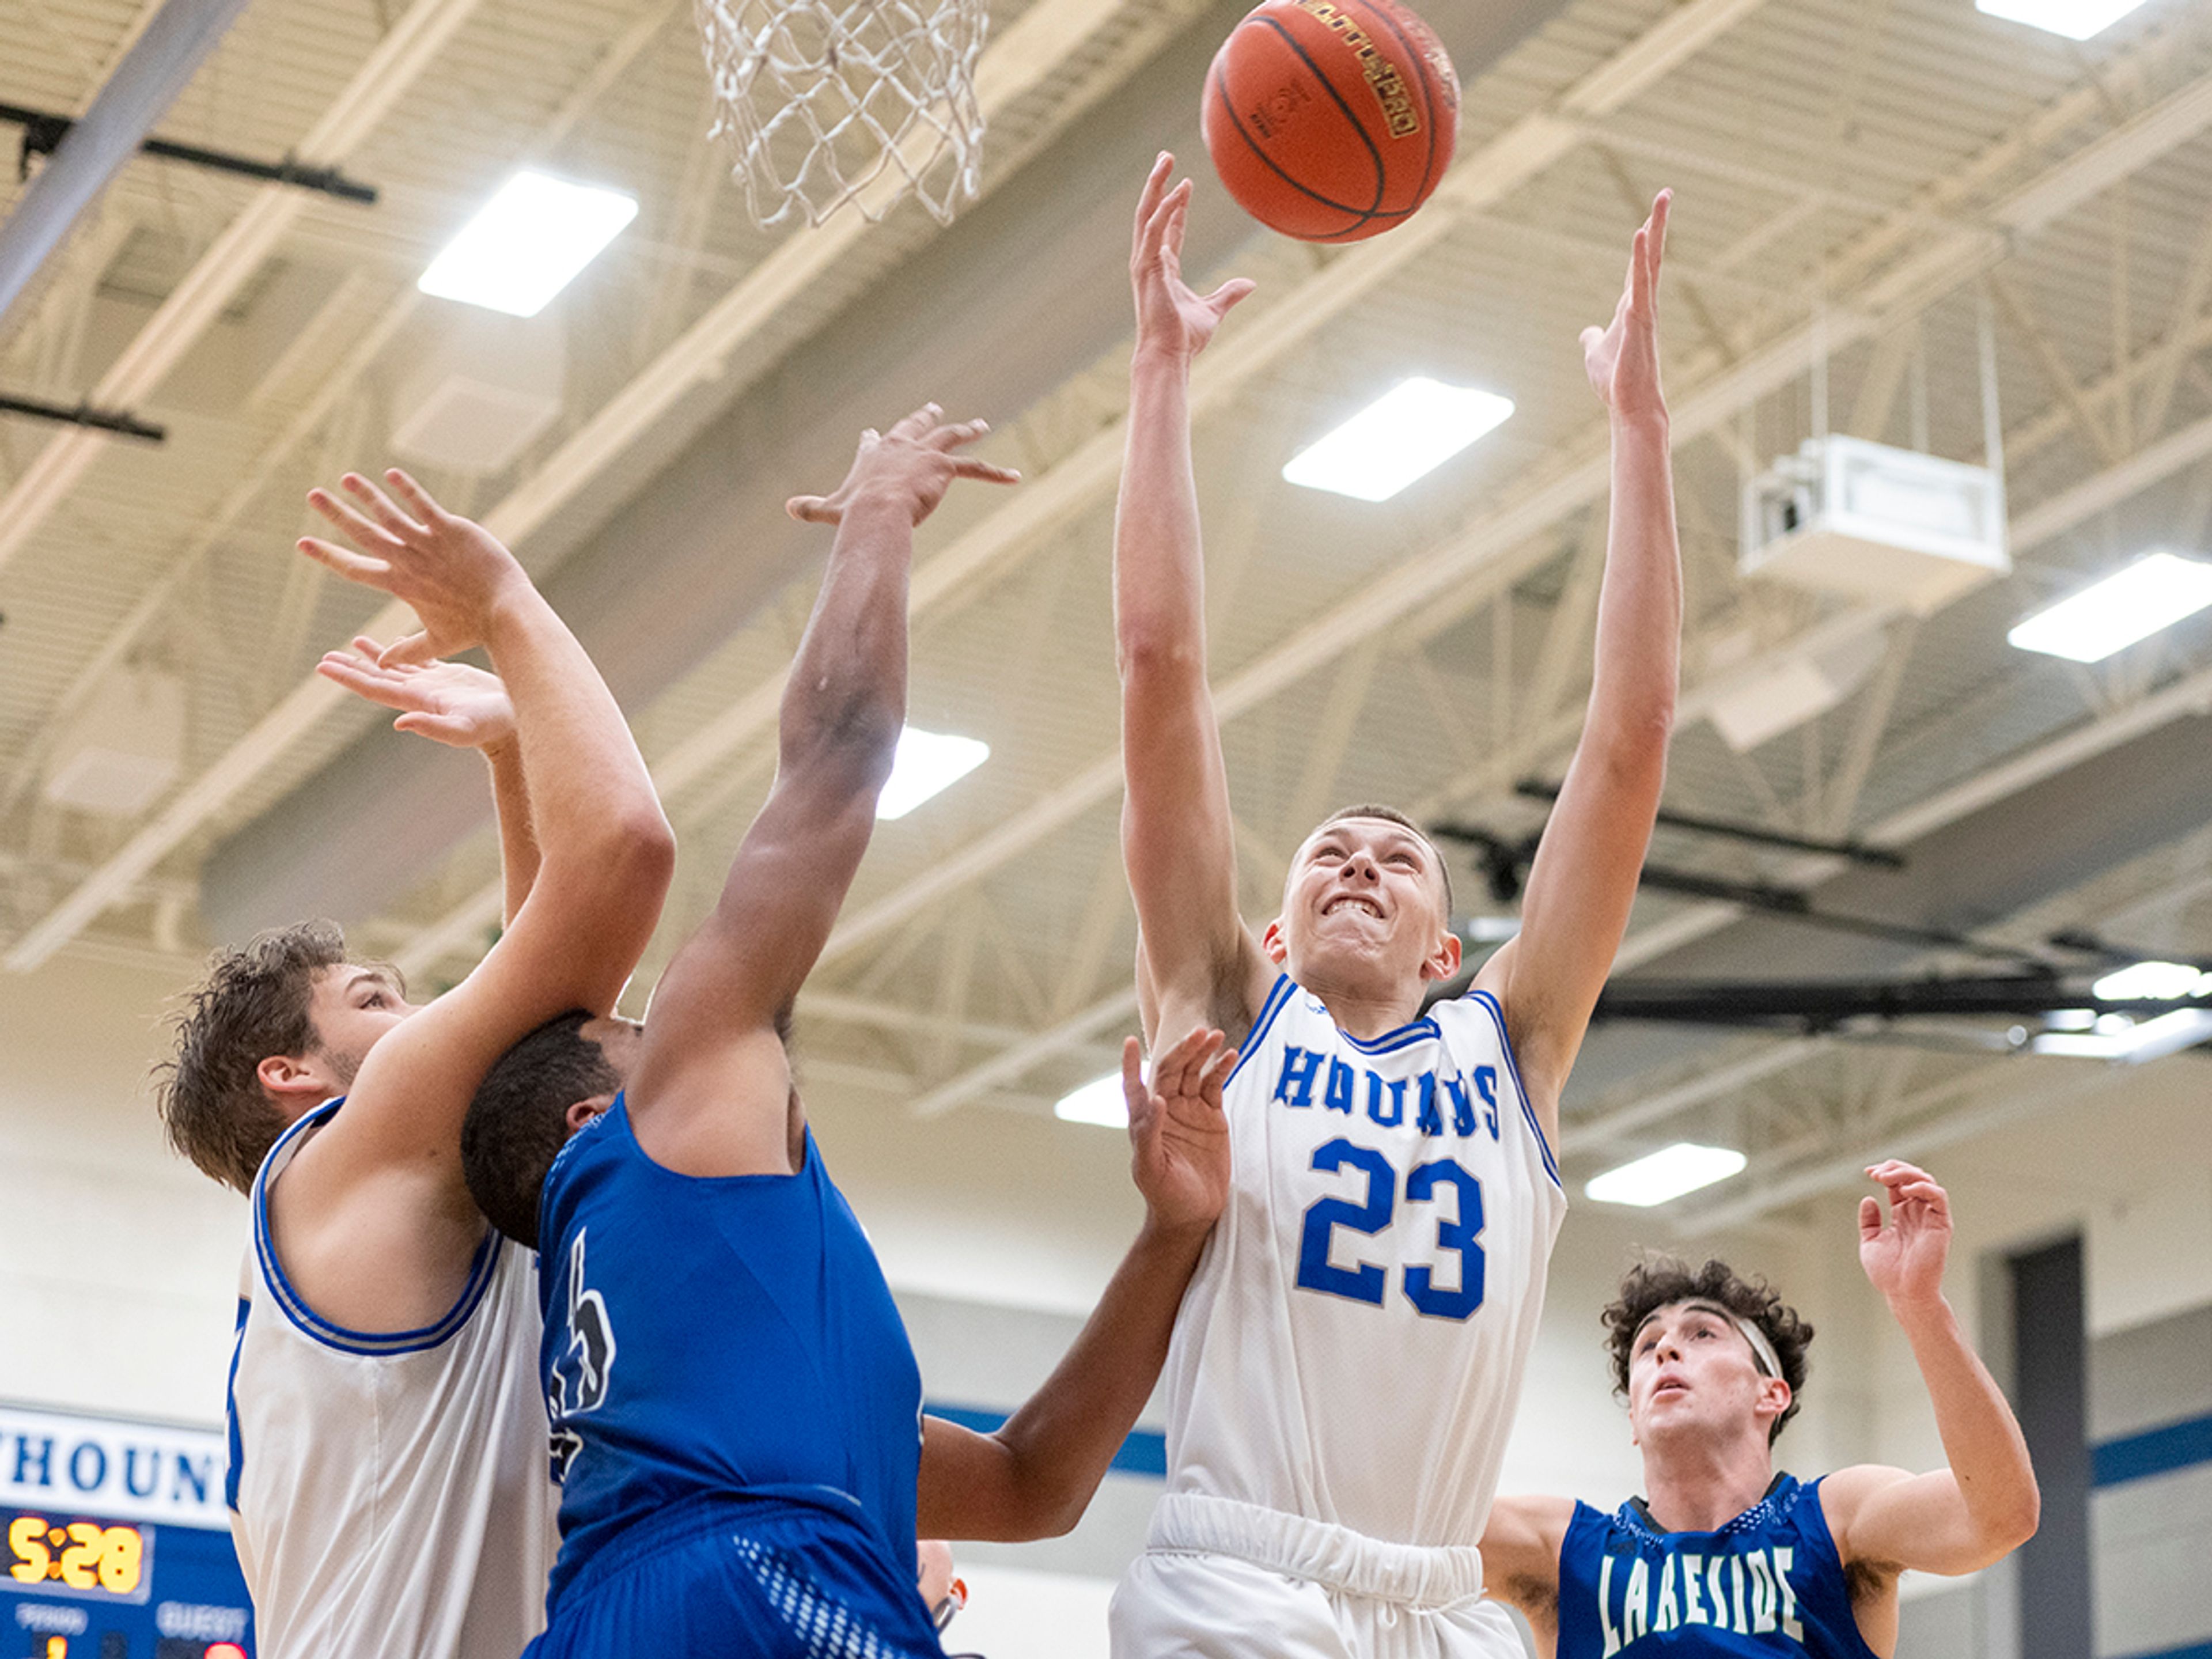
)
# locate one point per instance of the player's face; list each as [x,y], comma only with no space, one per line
[1365,901]
[350,1009]
[1692,1371]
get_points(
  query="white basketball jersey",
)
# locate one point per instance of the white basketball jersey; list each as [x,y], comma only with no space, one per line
[1352,1347]
[390,1494]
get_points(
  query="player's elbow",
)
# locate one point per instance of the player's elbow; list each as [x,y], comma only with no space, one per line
[638,855]
[1151,652]
[2015,1519]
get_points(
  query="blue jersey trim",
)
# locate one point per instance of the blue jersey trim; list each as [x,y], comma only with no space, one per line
[235,1434]
[311,1324]
[1279,996]
[1420,1031]
[1513,1067]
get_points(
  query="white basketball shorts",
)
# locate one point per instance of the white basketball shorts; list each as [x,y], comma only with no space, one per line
[1223,1580]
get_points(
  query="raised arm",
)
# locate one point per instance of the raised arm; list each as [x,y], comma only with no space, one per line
[1178,843]
[374,1219]
[462,708]
[712,1088]
[1984,1504]
[1583,883]
[1034,1475]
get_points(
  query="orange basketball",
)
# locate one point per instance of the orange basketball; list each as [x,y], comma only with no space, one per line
[1331,121]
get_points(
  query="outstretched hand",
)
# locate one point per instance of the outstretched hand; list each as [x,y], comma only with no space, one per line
[451,570]
[1178,1136]
[1904,1259]
[914,465]
[447,702]
[1622,361]
[1170,317]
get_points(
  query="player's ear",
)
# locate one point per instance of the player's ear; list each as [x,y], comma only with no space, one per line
[1277,947]
[584,1111]
[1443,962]
[286,1077]
[1774,1397]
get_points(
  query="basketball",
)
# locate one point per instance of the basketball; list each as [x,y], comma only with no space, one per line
[1331,121]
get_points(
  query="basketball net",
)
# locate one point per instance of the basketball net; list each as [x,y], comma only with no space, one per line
[821,98]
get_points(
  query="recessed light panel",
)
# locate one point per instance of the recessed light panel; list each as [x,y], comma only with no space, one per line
[1100,1102]
[1411,429]
[526,243]
[2132,603]
[928,763]
[2077,20]
[1669,1172]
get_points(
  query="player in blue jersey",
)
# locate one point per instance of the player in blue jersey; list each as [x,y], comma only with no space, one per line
[736,1411]
[1726,1556]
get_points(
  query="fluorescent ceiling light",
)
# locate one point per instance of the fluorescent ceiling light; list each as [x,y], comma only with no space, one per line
[1098,1102]
[2154,1039]
[1669,1172]
[1411,429]
[2167,981]
[2077,20]
[2155,591]
[928,763]
[527,242]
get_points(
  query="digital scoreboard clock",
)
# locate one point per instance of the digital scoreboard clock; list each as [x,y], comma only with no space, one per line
[114,1541]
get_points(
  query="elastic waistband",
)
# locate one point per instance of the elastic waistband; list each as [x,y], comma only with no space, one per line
[1335,1557]
[709,1512]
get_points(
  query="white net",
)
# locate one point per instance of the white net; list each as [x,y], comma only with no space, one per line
[821,98]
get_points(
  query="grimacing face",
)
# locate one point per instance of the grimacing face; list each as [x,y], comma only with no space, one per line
[1690,1370]
[1364,901]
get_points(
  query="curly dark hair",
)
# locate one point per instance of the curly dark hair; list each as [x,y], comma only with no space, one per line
[253,1004]
[1659,1281]
[518,1121]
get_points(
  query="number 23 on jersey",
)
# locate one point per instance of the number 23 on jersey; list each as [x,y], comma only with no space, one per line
[1425,1183]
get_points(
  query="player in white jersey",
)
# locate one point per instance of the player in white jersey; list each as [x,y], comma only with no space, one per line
[1346,1366]
[387,1476]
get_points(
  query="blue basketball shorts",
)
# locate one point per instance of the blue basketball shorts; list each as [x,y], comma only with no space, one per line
[741,1579]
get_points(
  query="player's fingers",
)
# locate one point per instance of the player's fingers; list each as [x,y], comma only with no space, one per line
[1661,207]
[1230,294]
[368,648]
[424,505]
[364,680]
[395,523]
[1870,1219]
[416,648]
[920,422]
[1639,272]
[965,467]
[959,433]
[354,567]
[809,509]
[368,537]
[1133,1072]
[1156,184]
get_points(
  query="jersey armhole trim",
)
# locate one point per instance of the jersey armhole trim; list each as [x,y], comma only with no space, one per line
[1278,995]
[1489,1004]
[308,1323]
[233,1434]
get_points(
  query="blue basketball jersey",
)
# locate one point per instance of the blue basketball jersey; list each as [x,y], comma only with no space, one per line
[1769,1582]
[731,1336]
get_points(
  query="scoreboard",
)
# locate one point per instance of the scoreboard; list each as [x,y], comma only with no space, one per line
[115,1541]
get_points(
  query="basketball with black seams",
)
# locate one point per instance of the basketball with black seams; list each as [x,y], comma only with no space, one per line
[1331,121]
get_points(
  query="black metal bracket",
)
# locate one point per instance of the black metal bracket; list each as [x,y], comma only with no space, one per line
[43,132]
[1850,847]
[104,420]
